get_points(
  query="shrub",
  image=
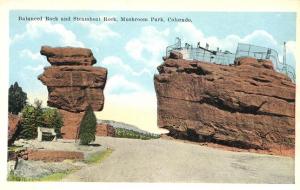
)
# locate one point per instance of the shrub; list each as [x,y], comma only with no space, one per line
[87,128]
[16,99]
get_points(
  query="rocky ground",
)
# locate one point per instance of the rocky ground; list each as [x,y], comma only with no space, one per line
[162,160]
[34,169]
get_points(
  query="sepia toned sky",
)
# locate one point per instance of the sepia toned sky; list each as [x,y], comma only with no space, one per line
[131,51]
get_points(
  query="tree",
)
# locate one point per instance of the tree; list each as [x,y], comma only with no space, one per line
[32,118]
[87,128]
[16,98]
[52,119]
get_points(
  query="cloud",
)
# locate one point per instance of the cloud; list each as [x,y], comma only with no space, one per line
[35,30]
[149,45]
[291,47]
[119,84]
[135,48]
[35,57]
[26,53]
[37,69]
[260,37]
[99,32]
[192,34]
[116,63]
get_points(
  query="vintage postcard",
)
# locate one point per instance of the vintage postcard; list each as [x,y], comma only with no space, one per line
[151,96]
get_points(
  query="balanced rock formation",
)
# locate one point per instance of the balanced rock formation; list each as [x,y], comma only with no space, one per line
[247,105]
[73,84]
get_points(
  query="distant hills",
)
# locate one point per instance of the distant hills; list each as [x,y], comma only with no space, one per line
[117,124]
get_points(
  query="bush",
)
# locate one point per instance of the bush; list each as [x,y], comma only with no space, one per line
[127,133]
[87,128]
[16,99]
[34,116]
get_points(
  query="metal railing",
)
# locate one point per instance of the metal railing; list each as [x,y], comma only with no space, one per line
[259,52]
[225,57]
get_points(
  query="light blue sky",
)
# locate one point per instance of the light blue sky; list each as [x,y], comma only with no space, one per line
[132,50]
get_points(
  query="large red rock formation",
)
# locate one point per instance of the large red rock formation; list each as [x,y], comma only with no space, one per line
[13,124]
[73,84]
[247,104]
[72,88]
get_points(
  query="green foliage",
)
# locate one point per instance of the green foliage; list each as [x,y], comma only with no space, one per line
[127,133]
[32,118]
[87,129]
[16,98]
[36,116]
[52,119]
[98,156]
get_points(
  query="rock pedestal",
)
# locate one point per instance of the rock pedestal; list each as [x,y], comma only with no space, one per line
[246,105]
[73,84]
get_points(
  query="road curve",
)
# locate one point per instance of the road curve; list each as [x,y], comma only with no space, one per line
[161,160]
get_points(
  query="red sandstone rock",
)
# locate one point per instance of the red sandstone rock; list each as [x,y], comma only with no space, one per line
[13,124]
[104,129]
[73,88]
[53,155]
[71,125]
[68,55]
[73,84]
[175,55]
[246,105]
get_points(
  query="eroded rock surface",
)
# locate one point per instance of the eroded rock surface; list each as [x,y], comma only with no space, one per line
[72,88]
[73,84]
[68,55]
[247,104]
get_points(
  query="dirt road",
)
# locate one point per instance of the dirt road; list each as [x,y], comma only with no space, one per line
[162,160]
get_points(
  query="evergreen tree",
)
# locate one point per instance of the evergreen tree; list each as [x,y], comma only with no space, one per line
[16,99]
[87,128]
[32,118]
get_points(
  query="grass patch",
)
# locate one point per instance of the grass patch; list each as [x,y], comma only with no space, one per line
[98,157]
[56,176]
[127,133]
[12,177]
[15,148]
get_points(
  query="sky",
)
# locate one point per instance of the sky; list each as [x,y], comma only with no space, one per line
[131,51]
